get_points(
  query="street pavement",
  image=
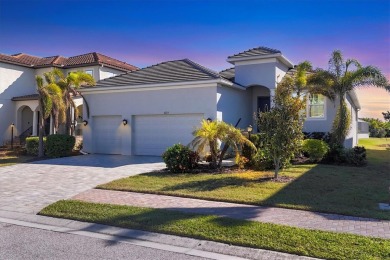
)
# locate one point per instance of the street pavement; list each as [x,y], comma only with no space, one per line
[18,242]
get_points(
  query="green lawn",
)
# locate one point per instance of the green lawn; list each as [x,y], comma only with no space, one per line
[238,232]
[326,188]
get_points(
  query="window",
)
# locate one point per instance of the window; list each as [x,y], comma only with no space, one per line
[316,106]
[90,72]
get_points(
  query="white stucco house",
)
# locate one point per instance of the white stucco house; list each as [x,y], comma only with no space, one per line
[19,111]
[144,111]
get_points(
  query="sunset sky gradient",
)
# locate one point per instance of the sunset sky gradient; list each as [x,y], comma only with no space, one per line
[147,32]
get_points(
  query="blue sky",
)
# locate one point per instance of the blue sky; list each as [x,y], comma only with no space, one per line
[147,32]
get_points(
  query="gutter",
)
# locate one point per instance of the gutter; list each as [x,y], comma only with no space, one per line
[354,98]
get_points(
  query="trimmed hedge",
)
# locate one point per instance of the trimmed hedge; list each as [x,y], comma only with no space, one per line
[316,149]
[180,158]
[58,145]
[32,145]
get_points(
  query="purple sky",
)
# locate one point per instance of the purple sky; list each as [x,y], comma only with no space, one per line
[147,32]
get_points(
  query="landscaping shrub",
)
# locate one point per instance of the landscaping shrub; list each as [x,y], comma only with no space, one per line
[241,161]
[32,145]
[59,145]
[335,155]
[324,136]
[316,149]
[259,159]
[180,158]
[356,156]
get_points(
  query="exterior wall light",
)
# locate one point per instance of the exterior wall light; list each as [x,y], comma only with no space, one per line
[85,122]
[124,121]
[249,129]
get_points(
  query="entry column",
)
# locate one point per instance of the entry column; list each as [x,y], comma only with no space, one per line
[35,123]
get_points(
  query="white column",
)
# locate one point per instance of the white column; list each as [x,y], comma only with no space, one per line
[272,95]
[35,123]
[51,125]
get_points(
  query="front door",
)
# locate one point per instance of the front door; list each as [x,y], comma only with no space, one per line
[263,104]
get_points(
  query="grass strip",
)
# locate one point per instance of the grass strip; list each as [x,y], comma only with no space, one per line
[274,237]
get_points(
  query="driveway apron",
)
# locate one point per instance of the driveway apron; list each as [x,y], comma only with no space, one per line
[29,187]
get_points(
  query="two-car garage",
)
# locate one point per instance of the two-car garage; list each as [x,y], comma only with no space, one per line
[150,134]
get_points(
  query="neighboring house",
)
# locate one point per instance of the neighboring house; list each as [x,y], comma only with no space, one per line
[363,129]
[145,111]
[18,94]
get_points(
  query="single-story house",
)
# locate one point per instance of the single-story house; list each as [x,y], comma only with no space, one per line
[144,111]
[19,110]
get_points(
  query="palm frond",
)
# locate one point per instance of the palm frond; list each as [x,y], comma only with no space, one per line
[336,63]
[367,76]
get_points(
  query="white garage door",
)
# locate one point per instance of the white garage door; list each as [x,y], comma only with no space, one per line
[106,135]
[153,134]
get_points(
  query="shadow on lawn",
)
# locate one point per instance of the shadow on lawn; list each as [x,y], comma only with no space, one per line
[134,226]
[344,190]
[347,190]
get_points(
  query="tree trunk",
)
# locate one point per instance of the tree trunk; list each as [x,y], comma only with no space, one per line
[213,152]
[277,167]
[225,148]
[41,129]
[68,121]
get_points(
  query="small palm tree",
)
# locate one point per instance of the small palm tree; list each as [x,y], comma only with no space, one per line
[212,133]
[341,77]
[50,96]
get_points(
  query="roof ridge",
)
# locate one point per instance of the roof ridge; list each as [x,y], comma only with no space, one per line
[227,69]
[257,48]
[202,68]
[122,62]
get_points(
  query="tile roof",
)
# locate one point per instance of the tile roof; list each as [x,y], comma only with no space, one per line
[26,97]
[255,52]
[59,61]
[165,72]
[228,73]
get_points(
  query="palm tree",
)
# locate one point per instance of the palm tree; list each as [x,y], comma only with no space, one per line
[212,133]
[50,96]
[69,86]
[341,77]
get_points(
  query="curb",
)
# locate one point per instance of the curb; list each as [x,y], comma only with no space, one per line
[189,246]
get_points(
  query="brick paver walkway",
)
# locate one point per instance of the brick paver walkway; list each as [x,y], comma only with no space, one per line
[290,217]
[28,187]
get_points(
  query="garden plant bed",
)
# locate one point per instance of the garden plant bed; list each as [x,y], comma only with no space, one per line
[292,240]
[345,190]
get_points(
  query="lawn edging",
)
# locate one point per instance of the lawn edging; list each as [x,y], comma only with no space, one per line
[252,234]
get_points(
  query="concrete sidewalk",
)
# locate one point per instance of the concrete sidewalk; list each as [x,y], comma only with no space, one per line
[289,217]
[183,245]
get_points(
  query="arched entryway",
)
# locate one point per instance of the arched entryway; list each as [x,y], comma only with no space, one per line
[25,121]
[261,100]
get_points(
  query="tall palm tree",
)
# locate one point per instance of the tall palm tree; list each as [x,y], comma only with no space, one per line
[341,77]
[69,86]
[50,96]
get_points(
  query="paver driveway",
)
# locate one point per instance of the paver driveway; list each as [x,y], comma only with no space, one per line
[29,187]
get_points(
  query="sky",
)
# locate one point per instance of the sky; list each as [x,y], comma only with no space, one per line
[145,32]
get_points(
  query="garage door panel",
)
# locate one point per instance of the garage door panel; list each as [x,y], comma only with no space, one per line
[106,135]
[153,134]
